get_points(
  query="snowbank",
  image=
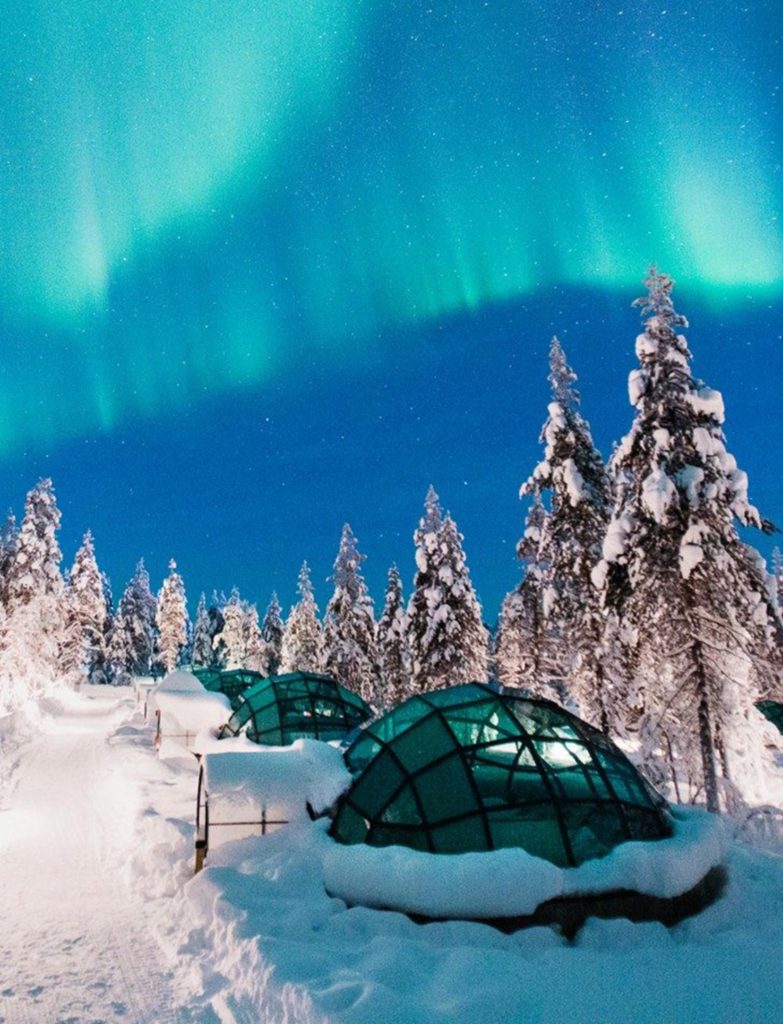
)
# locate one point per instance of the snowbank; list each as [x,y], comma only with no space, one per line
[512,883]
[184,714]
[258,790]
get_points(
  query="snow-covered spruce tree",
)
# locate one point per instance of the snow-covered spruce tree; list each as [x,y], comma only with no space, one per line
[216,623]
[393,655]
[231,640]
[83,657]
[272,630]
[102,666]
[573,477]
[8,541]
[690,593]
[512,645]
[301,647]
[171,618]
[447,639]
[255,648]
[118,652]
[201,654]
[349,646]
[34,621]
[527,654]
[132,642]
[777,576]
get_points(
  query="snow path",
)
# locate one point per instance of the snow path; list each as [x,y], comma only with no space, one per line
[74,942]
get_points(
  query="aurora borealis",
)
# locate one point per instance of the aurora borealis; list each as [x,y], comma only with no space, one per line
[262,263]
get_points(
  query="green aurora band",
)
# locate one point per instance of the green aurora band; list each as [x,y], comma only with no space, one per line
[195,196]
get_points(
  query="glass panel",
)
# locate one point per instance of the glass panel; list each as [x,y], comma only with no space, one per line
[392,835]
[593,829]
[349,826]
[534,828]
[373,790]
[445,790]
[424,743]
[466,835]
[403,810]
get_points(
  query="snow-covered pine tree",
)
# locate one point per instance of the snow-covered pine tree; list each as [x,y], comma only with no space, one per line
[171,619]
[393,656]
[349,646]
[689,592]
[272,630]
[83,654]
[426,539]
[573,476]
[8,541]
[216,623]
[132,643]
[512,645]
[446,636]
[201,655]
[777,576]
[102,664]
[118,651]
[34,622]
[301,647]
[526,653]
[231,640]
[255,648]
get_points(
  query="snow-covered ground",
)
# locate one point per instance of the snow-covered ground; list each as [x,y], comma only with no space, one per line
[75,941]
[96,861]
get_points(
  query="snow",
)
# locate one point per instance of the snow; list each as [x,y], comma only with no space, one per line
[637,386]
[707,402]
[277,783]
[185,714]
[658,492]
[104,921]
[75,945]
[180,681]
[511,882]
[616,539]
[574,482]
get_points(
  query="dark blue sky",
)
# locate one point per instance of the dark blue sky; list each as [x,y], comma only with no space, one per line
[266,269]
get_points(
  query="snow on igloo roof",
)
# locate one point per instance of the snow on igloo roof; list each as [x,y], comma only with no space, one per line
[471,769]
[284,708]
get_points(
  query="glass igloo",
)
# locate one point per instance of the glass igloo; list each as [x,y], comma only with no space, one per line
[281,709]
[231,682]
[470,769]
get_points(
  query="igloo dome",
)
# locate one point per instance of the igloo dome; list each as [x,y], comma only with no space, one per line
[281,709]
[471,769]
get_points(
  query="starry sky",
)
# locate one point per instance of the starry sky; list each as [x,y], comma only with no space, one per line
[268,267]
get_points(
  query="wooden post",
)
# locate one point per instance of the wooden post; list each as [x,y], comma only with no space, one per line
[201,852]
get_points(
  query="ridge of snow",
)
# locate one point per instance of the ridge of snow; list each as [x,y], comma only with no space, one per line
[512,882]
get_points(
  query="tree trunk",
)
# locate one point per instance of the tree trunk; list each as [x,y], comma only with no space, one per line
[600,694]
[705,730]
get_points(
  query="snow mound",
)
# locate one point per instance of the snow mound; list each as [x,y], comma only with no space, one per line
[277,781]
[512,882]
[180,680]
[184,715]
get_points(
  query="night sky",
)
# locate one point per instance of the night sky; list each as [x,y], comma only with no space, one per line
[266,267]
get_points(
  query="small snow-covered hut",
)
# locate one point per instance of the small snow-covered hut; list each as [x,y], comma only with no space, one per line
[246,790]
[183,708]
